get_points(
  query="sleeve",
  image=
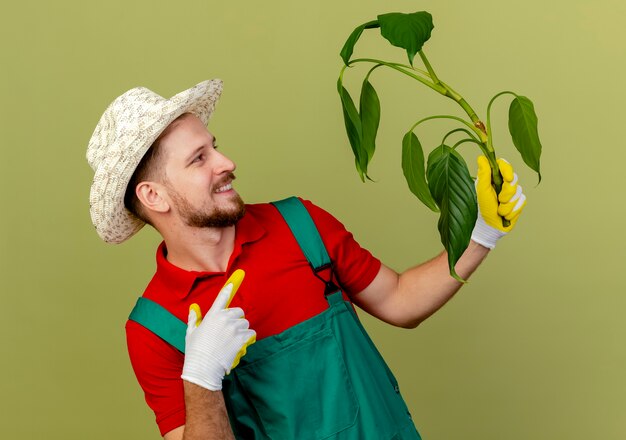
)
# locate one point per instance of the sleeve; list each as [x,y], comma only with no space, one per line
[355,267]
[157,366]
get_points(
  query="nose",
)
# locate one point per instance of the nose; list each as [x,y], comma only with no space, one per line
[223,163]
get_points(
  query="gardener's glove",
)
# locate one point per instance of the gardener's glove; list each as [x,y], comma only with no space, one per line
[508,204]
[215,346]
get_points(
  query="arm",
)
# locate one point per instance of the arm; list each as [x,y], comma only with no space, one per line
[407,299]
[206,416]
[213,347]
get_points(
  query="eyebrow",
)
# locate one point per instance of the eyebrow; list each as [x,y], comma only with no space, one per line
[197,150]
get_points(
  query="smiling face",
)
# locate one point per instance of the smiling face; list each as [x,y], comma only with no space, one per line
[197,177]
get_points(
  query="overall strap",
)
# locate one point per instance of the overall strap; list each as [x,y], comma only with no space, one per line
[304,230]
[160,321]
[172,330]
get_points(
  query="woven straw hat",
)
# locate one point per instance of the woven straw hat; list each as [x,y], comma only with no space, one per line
[126,130]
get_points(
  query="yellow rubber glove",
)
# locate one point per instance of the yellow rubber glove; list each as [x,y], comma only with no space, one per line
[508,204]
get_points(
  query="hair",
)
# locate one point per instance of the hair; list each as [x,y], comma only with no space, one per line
[150,168]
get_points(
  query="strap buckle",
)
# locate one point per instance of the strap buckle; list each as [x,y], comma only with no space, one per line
[330,286]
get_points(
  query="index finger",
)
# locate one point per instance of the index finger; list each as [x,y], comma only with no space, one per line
[223,298]
[235,279]
[227,293]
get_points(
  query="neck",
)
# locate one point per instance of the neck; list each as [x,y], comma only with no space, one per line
[200,249]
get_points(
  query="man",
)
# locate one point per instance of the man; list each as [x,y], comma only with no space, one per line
[312,372]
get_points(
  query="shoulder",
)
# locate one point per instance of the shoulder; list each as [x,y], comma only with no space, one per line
[267,212]
[324,220]
[331,230]
[144,347]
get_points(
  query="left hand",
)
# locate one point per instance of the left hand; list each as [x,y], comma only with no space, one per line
[215,346]
[492,208]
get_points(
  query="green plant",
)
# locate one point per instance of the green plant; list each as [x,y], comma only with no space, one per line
[444,184]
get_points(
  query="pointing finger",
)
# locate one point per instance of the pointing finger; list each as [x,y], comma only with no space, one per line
[196,308]
[191,321]
[223,298]
[235,279]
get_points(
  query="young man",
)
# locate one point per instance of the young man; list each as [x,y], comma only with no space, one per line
[312,372]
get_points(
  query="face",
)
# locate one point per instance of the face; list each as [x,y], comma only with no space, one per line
[198,178]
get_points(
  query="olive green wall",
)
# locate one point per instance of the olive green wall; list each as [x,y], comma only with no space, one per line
[531,348]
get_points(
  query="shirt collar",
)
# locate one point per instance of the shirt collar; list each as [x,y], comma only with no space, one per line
[179,281]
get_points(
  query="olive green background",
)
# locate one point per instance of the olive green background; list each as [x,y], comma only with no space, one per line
[532,347]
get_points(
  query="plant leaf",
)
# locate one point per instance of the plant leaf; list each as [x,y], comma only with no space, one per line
[523,129]
[408,31]
[352,122]
[369,109]
[441,151]
[348,47]
[453,189]
[414,172]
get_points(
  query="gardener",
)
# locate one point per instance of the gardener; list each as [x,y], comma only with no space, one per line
[312,372]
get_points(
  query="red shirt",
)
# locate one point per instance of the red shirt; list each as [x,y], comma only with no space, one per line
[278,292]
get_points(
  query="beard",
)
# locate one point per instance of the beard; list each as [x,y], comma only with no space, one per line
[218,217]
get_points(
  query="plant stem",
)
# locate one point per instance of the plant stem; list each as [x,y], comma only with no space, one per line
[469,133]
[490,136]
[394,66]
[485,137]
[440,88]
[478,125]
[428,118]
[496,177]
[371,70]
[462,141]
[482,145]
[451,93]
[406,66]
[431,72]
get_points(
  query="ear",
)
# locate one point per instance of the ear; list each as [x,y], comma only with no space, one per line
[151,195]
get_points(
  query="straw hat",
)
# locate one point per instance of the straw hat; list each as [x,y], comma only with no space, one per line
[126,130]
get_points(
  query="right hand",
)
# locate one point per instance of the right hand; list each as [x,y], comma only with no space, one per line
[492,207]
[215,346]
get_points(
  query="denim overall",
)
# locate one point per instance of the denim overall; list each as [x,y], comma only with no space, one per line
[320,379]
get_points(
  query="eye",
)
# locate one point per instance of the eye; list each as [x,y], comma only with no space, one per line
[215,146]
[198,158]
